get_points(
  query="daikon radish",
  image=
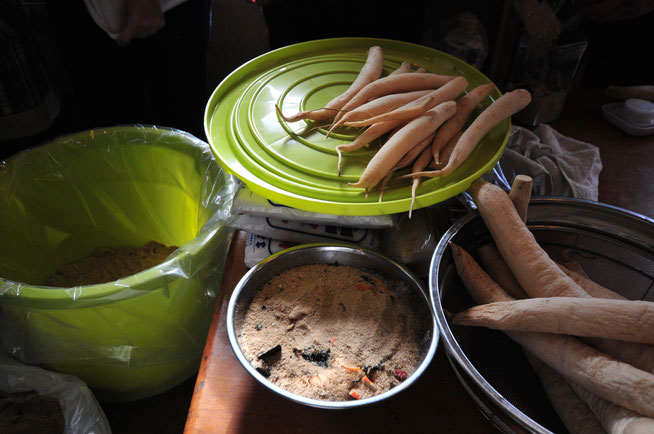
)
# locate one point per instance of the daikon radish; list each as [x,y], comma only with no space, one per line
[567,258]
[584,412]
[446,152]
[591,287]
[496,267]
[419,164]
[370,72]
[479,284]
[625,320]
[639,355]
[447,92]
[410,157]
[500,109]
[413,154]
[371,133]
[614,418]
[464,107]
[375,131]
[403,68]
[404,113]
[601,374]
[383,104]
[573,411]
[394,84]
[520,194]
[536,272]
[492,261]
[393,150]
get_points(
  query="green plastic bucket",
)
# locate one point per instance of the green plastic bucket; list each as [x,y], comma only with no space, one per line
[115,187]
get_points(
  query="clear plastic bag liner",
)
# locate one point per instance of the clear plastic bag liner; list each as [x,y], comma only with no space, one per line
[413,242]
[80,409]
[113,187]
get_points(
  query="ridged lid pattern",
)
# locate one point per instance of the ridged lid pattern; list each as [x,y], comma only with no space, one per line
[295,164]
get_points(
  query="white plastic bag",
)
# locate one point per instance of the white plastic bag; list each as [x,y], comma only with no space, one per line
[81,411]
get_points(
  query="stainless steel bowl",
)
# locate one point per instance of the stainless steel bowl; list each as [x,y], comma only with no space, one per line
[614,246]
[416,294]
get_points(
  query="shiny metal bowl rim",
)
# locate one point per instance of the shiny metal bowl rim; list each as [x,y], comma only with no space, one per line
[411,278]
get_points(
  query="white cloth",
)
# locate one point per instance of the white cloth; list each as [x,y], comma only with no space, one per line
[559,165]
[106,13]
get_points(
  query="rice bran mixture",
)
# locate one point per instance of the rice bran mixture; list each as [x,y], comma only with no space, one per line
[109,264]
[330,332]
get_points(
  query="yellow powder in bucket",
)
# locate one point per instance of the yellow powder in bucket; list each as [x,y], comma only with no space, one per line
[109,264]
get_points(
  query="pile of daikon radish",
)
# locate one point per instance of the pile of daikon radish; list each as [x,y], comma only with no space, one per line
[420,113]
[592,348]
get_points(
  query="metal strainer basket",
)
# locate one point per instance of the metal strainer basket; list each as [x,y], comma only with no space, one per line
[614,247]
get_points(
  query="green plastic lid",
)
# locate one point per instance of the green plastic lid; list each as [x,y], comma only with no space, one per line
[295,164]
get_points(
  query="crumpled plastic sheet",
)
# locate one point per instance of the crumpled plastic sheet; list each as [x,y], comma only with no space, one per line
[80,409]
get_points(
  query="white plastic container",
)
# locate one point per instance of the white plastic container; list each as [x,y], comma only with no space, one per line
[634,116]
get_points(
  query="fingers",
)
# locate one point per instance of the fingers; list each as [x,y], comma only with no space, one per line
[139,19]
[138,31]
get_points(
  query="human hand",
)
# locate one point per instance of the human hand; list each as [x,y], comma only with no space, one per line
[139,19]
[607,11]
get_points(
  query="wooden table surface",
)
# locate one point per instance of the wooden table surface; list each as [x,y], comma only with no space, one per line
[227,399]
[627,177]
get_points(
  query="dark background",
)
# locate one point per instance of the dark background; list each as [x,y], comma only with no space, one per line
[212,38]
